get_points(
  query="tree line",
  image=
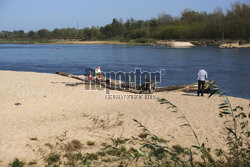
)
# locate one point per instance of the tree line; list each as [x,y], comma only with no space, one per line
[233,24]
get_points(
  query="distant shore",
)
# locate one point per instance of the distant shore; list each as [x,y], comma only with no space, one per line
[161,43]
[78,42]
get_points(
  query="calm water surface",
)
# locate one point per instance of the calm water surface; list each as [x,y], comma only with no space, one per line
[230,68]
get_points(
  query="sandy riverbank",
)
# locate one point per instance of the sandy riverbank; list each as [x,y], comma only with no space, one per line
[158,43]
[58,42]
[90,42]
[51,111]
[174,44]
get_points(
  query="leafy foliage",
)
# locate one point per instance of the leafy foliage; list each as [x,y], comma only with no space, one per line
[17,163]
[203,150]
[236,125]
[53,159]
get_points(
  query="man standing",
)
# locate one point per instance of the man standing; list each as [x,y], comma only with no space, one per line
[201,77]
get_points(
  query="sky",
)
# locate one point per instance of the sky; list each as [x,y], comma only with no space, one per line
[50,14]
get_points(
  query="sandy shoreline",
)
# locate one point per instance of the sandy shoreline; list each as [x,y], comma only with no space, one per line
[158,43]
[91,42]
[73,42]
[50,110]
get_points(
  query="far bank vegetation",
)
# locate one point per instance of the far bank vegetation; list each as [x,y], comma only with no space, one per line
[200,27]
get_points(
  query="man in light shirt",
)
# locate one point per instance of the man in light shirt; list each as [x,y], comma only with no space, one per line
[98,72]
[201,77]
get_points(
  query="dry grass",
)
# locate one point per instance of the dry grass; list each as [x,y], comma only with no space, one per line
[74,145]
[31,163]
[143,135]
[49,145]
[90,143]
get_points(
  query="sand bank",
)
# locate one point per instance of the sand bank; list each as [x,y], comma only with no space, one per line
[61,42]
[91,42]
[174,44]
[50,111]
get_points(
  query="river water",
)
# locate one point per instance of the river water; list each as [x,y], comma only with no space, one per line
[230,68]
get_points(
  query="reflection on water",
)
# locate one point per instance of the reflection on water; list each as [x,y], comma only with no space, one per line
[230,68]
